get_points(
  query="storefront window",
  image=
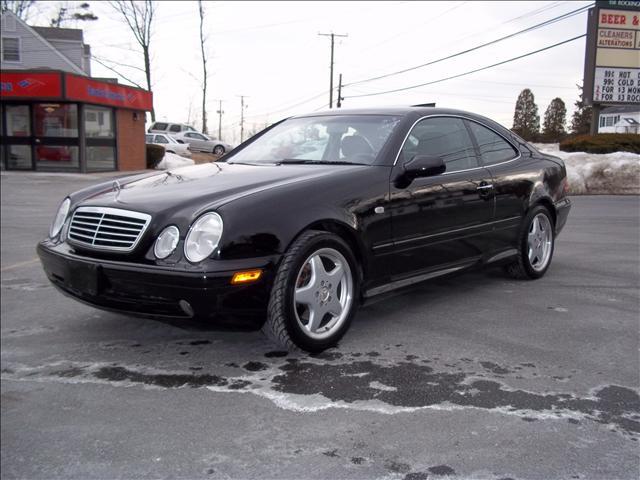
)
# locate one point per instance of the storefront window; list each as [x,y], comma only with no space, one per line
[98,122]
[56,119]
[57,157]
[100,158]
[19,157]
[18,124]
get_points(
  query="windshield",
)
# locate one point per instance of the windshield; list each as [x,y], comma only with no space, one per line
[339,139]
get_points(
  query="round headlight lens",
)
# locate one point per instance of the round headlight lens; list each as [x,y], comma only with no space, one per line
[61,217]
[203,237]
[167,242]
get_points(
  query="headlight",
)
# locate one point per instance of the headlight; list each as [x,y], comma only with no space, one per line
[167,242]
[203,237]
[61,216]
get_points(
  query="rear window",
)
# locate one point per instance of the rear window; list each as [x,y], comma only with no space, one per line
[493,148]
[159,126]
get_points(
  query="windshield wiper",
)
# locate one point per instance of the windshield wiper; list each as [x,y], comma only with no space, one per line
[298,161]
[253,164]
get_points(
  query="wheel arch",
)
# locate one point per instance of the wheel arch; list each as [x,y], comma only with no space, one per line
[346,233]
[548,204]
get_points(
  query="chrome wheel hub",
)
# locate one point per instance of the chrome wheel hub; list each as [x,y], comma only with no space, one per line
[540,242]
[323,293]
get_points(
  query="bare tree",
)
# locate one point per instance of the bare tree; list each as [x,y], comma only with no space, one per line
[76,13]
[138,15]
[19,7]
[204,68]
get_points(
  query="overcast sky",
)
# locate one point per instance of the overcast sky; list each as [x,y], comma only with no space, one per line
[272,53]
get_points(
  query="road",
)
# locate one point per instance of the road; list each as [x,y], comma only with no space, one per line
[471,377]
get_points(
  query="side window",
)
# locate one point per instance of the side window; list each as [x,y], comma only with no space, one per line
[10,49]
[161,139]
[188,135]
[493,148]
[198,136]
[174,128]
[148,138]
[444,137]
[159,126]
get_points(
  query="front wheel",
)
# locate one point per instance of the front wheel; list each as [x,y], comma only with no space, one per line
[218,150]
[536,245]
[314,295]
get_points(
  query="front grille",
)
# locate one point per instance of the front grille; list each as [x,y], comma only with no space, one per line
[104,228]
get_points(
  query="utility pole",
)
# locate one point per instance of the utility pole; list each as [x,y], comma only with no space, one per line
[339,103]
[242,107]
[332,35]
[219,112]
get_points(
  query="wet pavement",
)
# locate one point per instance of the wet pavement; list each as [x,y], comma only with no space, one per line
[476,376]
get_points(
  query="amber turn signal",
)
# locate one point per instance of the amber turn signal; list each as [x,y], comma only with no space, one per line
[246,277]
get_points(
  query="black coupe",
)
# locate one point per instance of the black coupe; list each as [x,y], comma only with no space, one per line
[303,222]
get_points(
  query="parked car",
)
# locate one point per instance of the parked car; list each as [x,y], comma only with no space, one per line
[170,128]
[170,145]
[293,243]
[203,143]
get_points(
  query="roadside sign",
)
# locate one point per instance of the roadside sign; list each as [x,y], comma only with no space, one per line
[612,59]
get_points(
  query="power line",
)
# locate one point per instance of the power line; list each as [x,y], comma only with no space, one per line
[405,31]
[471,71]
[492,42]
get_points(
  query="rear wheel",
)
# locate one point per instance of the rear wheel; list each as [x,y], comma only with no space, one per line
[536,245]
[313,298]
[218,150]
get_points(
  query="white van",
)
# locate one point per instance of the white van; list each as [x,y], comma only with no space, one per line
[170,128]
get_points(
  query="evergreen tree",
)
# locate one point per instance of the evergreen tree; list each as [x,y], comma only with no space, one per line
[526,121]
[554,120]
[581,120]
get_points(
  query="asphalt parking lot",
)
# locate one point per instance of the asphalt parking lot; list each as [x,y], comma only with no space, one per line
[471,377]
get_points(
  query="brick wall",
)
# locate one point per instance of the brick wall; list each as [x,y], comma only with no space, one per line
[131,145]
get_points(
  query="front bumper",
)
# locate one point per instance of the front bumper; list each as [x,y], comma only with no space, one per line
[159,292]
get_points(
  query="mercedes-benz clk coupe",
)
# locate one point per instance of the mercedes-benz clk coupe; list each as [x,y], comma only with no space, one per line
[294,229]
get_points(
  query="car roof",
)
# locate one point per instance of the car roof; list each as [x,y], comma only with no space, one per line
[397,110]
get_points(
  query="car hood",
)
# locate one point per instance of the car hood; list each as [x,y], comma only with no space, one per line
[204,186]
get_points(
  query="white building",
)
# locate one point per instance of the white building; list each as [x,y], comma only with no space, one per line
[620,120]
[28,48]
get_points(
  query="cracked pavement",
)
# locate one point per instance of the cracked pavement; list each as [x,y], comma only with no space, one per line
[471,377]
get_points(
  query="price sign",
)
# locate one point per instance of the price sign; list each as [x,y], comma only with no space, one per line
[617,85]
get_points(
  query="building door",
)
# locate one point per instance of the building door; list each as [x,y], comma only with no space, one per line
[55,136]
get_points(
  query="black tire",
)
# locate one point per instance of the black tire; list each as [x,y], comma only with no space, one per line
[522,268]
[282,325]
[218,150]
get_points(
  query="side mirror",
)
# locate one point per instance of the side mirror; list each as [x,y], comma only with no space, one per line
[424,166]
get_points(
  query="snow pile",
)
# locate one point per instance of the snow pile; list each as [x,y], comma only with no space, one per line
[592,173]
[171,161]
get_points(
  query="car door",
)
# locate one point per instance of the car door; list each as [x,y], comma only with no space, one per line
[198,141]
[441,221]
[512,182]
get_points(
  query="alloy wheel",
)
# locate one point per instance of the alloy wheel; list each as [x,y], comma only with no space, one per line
[539,242]
[323,293]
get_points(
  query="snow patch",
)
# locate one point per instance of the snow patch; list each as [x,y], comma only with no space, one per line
[171,161]
[594,173]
